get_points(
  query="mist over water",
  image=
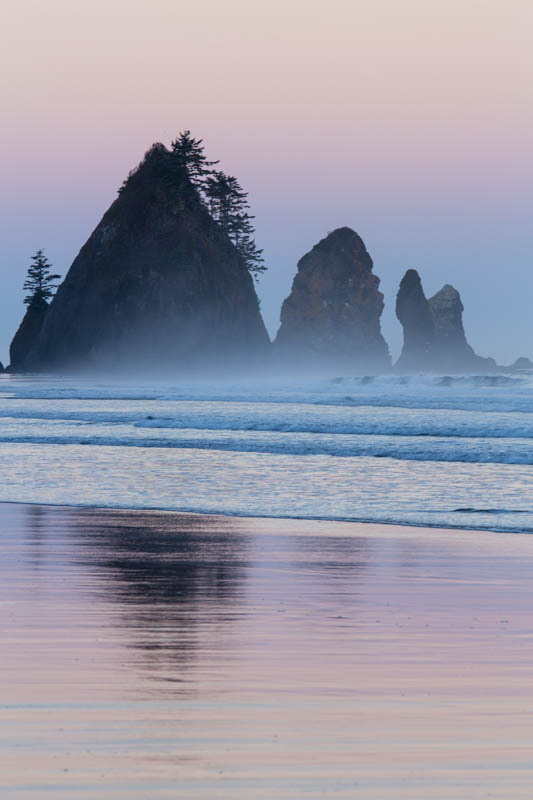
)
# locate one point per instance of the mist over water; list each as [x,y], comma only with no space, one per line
[428,450]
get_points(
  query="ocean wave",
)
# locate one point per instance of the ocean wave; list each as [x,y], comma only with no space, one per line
[276,418]
[435,381]
[490,511]
[406,448]
[499,391]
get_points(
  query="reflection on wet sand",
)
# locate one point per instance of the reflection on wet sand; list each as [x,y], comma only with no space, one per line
[166,581]
[161,655]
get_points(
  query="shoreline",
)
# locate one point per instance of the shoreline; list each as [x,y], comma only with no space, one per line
[246,516]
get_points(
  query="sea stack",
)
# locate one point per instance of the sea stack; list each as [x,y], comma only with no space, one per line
[520,364]
[453,351]
[158,286]
[330,323]
[434,336]
[413,311]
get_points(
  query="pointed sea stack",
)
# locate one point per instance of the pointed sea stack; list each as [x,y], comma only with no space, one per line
[27,335]
[331,320]
[434,336]
[413,311]
[157,287]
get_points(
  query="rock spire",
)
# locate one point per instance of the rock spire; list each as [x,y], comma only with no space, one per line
[434,336]
[330,322]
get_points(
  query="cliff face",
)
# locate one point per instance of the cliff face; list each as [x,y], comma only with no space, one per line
[158,286]
[331,319]
[26,335]
[434,336]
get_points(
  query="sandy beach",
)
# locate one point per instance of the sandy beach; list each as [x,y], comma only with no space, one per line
[164,655]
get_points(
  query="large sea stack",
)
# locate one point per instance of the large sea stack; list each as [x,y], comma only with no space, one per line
[157,287]
[330,323]
[434,336]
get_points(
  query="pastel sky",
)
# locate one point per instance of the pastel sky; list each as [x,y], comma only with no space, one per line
[411,122]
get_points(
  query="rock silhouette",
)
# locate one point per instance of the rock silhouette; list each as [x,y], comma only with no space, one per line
[414,312]
[434,336]
[521,363]
[331,320]
[157,286]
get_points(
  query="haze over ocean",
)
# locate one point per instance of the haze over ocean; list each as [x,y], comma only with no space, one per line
[411,123]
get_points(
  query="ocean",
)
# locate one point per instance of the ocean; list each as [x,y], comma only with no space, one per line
[439,451]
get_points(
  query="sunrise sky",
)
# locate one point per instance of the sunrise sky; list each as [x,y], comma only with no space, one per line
[410,121]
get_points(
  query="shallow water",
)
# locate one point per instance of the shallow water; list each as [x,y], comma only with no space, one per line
[180,656]
[434,450]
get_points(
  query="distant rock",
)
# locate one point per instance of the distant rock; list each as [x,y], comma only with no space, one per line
[331,320]
[158,286]
[520,364]
[414,312]
[434,336]
[26,335]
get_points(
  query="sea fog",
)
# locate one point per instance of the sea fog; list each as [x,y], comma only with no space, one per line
[424,450]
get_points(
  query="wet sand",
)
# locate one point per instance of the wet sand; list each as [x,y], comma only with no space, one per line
[162,655]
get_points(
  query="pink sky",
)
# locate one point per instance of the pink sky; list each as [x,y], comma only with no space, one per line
[411,122]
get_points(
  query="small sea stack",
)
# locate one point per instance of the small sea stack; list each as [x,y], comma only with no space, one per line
[433,331]
[414,312]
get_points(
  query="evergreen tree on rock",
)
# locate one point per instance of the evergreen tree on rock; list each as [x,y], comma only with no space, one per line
[228,205]
[40,283]
[224,197]
[189,155]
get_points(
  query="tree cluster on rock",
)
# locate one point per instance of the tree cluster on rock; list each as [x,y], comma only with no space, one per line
[222,195]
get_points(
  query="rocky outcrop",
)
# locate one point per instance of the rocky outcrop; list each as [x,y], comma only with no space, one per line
[434,336]
[414,312]
[331,320]
[158,286]
[453,353]
[27,335]
[520,364]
